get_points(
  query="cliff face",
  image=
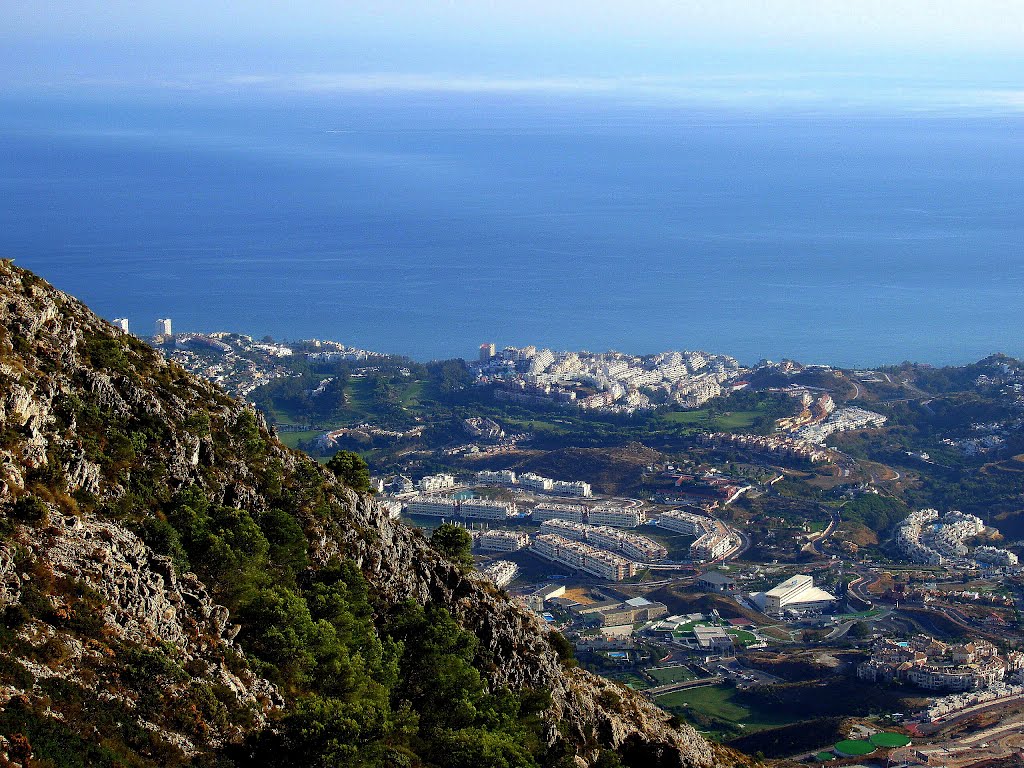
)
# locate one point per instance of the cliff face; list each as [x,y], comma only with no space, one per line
[112,644]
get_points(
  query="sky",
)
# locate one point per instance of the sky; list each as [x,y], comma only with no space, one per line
[967,53]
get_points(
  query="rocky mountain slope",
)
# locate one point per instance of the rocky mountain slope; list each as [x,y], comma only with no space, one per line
[179,588]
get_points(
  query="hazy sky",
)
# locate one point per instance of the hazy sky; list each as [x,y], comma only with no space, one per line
[969,51]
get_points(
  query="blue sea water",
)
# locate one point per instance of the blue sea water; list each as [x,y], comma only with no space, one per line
[427,224]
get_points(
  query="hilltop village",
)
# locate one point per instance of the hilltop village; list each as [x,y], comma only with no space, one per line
[731,540]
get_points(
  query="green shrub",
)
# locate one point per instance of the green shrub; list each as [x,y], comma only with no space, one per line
[455,543]
[351,469]
[30,509]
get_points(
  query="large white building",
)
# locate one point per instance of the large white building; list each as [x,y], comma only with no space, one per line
[435,506]
[617,517]
[502,541]
[584,557]
[535,482]
[797,593]
[571,512]
[501,572]
[486,509]
[162,327]
[496,477]
[436,483]
[571,488]
[631,545]
[122,323]
[714,539]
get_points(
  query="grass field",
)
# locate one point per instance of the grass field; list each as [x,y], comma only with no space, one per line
[717,701]
[634,681]
[666,675]
[291,439]
[742,636]
[719,423]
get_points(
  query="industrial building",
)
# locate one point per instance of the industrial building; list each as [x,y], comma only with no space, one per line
[713,639]
[797,593]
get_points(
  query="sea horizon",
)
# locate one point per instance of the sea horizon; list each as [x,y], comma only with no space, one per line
[424,224]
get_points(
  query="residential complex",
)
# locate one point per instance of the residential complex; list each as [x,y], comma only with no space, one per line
[714,539]
[925,537]
[431,483]
[584,557]
[435,506]
[502,541]
[936,666]
[535,482]
[486,509]
[471,509]
[771,445]
[631,545]
[572,512]
[501,572]
[995,556]
[496,477]
[611,382]
[840,420]
[617,517]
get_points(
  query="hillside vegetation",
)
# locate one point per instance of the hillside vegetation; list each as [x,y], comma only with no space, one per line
[180,589]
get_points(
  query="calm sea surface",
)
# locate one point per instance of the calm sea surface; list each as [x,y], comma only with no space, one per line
[427,225]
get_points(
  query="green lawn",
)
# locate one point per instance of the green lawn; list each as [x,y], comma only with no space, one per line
[631,679]
[291,439]
[717,701]
[742,636]
[537,426]
[666,675]
[704,420]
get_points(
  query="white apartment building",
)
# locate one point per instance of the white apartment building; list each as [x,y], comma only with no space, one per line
[571,512]
[584,557]
[502,541]
[571,488]
[617,517]
[714,539]
[711,546]
[501,572]
[486,509]
[162,327]
[567,528]
[535,482]
[436,483]
[122,323]
[631,545]
[435,506]
[995,555]
[496,477]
